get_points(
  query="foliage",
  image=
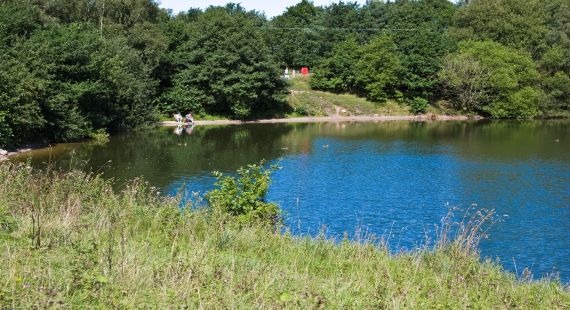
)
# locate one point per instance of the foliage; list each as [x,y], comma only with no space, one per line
[466,80]
[243,197]
[19,101]
[100,248]
[489,77]
[7,222]
[418,105]
[69,68]
[422,40]
[100,136]
[339,21]
[518,24]
[522,104]
[557,88]
[61,81]
[5,130]
[291,37]
[370,70]
[376,70]
[225,67]
[337,73]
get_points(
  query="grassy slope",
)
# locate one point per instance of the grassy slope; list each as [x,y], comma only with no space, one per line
[100,249]
[305,101]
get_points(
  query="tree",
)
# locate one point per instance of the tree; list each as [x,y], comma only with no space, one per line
[377,68]
[369,70]
[558,37]
[337,72]
[20,112]
[225,67]
[491,78]
[340,21]
[466,80]
[514,23]
[557,88]
[18,20]
[420,32]
[292,36]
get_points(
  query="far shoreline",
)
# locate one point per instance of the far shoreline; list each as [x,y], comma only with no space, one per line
[307,119]
[332,119]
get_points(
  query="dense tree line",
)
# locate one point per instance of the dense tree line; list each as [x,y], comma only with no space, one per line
[500,58]
[71,68]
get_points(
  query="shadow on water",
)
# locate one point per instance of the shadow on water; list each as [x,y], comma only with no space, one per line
[394,179]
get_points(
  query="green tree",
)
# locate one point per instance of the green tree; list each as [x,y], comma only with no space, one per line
[225,67]
[419,29]
[20,111]
[513,23]
[88,82]
[337,72]
[377,68]
[18,20]
[557,88]
[491,78]
[466,80]
[340,21]
[558,37]
[418,105]
[292,36]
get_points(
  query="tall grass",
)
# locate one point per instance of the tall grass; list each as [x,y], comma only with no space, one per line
[68,240]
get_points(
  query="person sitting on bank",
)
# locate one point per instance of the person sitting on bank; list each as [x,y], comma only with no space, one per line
[189,118]
[178,117]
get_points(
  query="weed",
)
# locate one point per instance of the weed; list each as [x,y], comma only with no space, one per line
[135,249]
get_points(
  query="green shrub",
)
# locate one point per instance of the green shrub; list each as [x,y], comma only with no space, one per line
[242,197]
[100,136]
[418,105]
[522,104]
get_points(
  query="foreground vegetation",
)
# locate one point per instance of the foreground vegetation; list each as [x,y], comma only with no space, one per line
[69,240]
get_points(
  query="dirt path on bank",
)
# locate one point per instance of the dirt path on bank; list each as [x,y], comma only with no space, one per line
[336,119]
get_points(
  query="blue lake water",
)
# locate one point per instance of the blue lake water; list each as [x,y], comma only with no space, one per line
[395,180]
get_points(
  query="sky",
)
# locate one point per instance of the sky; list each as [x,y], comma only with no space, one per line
[270,7]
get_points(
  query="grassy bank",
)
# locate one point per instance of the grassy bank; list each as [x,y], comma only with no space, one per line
[307,102]
[68,240]
[304,101]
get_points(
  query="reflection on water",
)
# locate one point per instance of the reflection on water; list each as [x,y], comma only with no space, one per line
[395,179]
[187,129]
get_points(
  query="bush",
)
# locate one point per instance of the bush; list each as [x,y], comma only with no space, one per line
[522,104]
[100,136]
[242,197]
[418,105]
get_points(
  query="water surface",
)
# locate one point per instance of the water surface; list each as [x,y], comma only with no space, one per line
[392,179]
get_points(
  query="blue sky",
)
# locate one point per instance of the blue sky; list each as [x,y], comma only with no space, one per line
[270,7]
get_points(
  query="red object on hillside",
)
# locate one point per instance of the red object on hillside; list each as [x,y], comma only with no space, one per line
[304,71]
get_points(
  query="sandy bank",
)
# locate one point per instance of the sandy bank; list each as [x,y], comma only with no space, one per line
[333,119]
[4,155]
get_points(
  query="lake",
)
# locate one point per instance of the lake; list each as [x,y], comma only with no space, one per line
[392,179]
